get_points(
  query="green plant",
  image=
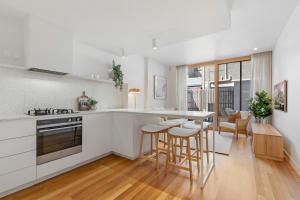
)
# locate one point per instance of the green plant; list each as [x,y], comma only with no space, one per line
[91,102]
[117,75]
[261,105]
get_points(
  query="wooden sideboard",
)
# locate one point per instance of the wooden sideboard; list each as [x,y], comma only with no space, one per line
[267,142]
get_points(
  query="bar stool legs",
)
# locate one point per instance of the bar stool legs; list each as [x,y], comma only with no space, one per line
[188,156]
[156,149]
[190,159]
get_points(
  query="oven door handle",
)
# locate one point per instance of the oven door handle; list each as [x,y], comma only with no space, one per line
[57,129]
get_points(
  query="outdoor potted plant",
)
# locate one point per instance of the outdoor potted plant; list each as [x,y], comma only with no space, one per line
[117,75]
[92,103]
[260,106]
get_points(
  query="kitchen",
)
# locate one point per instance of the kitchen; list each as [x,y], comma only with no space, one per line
[131,99]
[43,133]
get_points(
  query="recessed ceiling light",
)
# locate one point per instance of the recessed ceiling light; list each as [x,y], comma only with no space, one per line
[255,49]
[154,46]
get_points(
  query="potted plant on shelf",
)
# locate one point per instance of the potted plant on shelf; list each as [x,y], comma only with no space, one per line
[260,106]
[92,103]
[117,75]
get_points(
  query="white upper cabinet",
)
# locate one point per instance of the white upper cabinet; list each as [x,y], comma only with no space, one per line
[11,40]
[47,46]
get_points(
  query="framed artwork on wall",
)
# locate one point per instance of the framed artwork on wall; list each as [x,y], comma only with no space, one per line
[280,96]
[160,87]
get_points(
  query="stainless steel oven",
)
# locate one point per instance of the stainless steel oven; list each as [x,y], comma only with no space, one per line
[58,138]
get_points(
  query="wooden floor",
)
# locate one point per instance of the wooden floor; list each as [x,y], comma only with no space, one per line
[238,176]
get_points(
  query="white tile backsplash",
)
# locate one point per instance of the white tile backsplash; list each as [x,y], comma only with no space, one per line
[22,90]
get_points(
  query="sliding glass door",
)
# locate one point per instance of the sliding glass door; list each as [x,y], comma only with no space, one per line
[233,87]
[222,87]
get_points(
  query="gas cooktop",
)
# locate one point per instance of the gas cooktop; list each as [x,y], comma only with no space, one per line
[50,111]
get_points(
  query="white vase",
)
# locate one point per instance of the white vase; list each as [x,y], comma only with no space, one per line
[93,107]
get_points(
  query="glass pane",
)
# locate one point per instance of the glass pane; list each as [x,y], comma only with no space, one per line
[246,83]
[200,93]
[229,88]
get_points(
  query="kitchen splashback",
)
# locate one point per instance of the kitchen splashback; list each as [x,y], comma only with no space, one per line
[22,90]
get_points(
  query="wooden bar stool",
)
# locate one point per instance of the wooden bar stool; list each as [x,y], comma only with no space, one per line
[183,134]
[192,125]
[152,130]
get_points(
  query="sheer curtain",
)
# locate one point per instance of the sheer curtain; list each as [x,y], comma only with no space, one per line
[181,82]
[261,76]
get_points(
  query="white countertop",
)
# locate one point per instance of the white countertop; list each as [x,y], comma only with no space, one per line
[169,113]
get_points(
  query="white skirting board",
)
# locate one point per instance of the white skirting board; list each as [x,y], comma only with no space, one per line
[292,162]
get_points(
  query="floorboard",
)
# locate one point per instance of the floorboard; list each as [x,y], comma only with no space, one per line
[237,176]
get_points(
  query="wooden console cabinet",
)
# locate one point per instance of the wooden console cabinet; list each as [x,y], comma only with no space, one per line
[267,142]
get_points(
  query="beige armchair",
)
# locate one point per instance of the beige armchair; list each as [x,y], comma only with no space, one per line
[240,125]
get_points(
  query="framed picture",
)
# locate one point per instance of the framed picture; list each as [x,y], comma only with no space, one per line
[160,87]
[280,96]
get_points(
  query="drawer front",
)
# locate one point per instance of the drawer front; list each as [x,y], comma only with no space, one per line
[17,178]
[20,161]
[17,128]
[16,146]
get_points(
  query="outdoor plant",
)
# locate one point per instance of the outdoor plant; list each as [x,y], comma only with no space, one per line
[117,75]
[261,105]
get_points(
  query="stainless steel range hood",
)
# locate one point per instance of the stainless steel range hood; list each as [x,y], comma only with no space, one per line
[47,71]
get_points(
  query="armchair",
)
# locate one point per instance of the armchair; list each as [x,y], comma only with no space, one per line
[240,125]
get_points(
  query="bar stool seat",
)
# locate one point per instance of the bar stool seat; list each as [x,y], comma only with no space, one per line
[152,128]
[182,132]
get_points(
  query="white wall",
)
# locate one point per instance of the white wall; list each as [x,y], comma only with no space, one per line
[134,68]
[89,61]
[139,72]
[154,68]
[286,66]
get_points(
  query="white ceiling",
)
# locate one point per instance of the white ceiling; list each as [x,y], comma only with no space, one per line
[254,24]
[131,24]
[187,31]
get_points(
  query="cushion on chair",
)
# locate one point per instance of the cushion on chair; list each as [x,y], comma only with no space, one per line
[152,128]
[227,125]
[233,117]
[244,114]
[183,132]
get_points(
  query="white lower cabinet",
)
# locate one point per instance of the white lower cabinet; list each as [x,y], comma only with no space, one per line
[20,161]
[123,134]
[56,166]
[17,178]
[96,136]
[17,145]
[17,153]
